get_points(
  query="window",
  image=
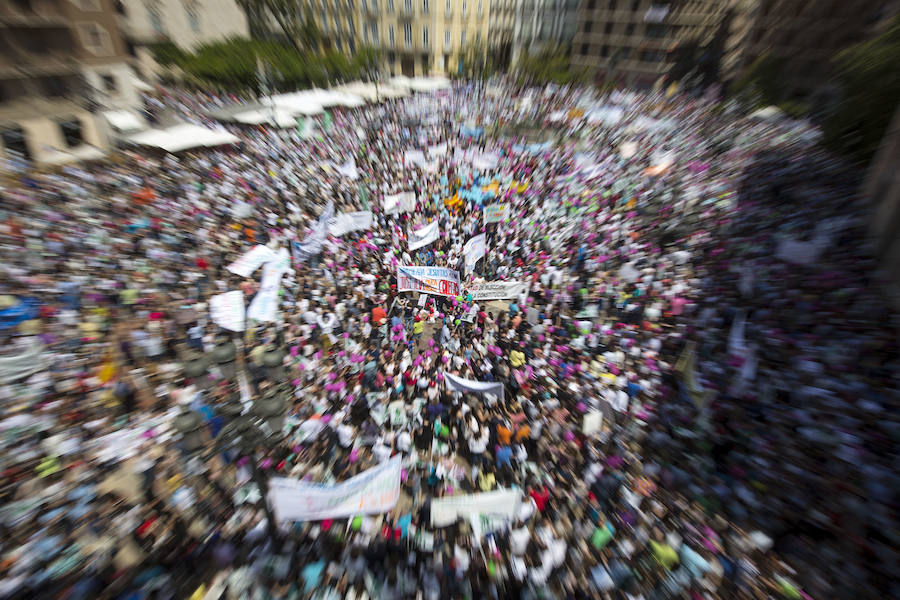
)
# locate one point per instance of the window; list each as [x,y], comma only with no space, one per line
[407,6]
[407,34]
[155,20]
[193,18]
[587,26]
[655,30]
[584,49]
[635,4]
[480,8]
[592,4]
[630,29]
[425,37]
[54,87]
[391,6]
[95,38]
[448,10]
[109,84]
[462,38]
[464,6]
[391,36]
[375,34]
[14,142]
[447,37]
[425,6]
[71,131]
[608,28]
[612,4]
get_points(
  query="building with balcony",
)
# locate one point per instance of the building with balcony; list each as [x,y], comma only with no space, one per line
[61,61]
[186,23]
[543,24]
[630,41]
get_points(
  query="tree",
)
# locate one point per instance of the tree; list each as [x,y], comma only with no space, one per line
[299,29]
[167,54]
[761,82]
[870,91]
[551,65]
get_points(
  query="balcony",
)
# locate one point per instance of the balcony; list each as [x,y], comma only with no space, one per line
[406,12]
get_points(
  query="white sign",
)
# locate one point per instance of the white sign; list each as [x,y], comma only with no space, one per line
[397,203]
[227,310]
[430,280]
[423,236]
[265,304]
[474,249]
[414,157]
[344,223]
[438,150]
[501,503]
[495,290]
[374,491]
[494,213]
[251,261]
[593,422]
[470,385]
[348,169]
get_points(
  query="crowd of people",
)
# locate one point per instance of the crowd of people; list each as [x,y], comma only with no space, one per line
[697,367]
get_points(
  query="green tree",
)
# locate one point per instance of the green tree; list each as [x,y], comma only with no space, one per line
[298,28]
[761,82]
[167,54]
[869,81]
[551,65]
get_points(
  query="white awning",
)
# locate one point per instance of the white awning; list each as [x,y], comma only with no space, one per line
[429,84]
[183,137]
[278,117]
[64,157]
[124,121]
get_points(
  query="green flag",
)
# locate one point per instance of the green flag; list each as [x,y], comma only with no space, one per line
[327,122]
[364,196]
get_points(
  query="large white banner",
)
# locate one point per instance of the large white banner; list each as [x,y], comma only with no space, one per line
[495,290]
[430,280]
[344,223]
[374,491]
[471,385]
[414,157]
[265,304]
[501,503]
[397,203]
[15,367]
[474,249]
[424,236]
[227,310]
[251,261]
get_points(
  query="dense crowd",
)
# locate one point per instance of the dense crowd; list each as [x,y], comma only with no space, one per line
[697,369]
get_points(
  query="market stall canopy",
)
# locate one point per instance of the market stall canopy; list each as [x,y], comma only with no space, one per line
[183,137]
[429,84]
[124,121]
[266,115]
[77,154]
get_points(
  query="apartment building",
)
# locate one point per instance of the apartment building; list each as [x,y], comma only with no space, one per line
[60,62]
[543,24]
[186,23]
[630,40]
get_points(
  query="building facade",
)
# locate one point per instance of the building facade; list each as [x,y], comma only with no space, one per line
[61,61]
[186,23]
[632,41]
[543,24]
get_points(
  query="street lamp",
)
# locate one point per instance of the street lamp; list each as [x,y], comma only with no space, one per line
[195,368]
[273,361]
[189,424]
[223,355]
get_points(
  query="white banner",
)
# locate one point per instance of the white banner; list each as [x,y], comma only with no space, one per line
[414,157]
[438,150]
[501,503]
[19,366]
[397,203]
[423,236]
[348,169]
[227,310]
[471,385]
[251,261]
[265,304]
[474,249]
[430,280]
[494,213]
[374,491]
[344,223]
[495,290]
